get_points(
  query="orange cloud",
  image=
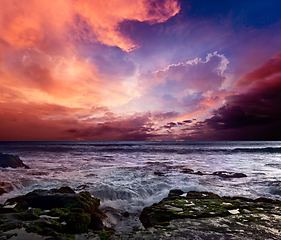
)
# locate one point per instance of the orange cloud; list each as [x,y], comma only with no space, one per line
[34,23]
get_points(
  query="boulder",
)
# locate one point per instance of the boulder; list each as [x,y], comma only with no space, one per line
[64,197]
[8,160]
[61,210]
[77,221]
[197,205]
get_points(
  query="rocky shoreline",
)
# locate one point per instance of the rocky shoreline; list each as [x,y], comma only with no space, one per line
[60,214]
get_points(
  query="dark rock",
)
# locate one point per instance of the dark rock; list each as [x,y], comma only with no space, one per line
[2,191]
[21,206]
[159,173]
[176,192]
[57,212]
[195,205]
[31,214]
[8,187]
[188,170]
[225,174]
[47,232]
[8,160]
[97,220]
[63,190]
[267,200]
[57,238]
[10,225]
[79,211]
[125,214]
[76,222]
[61,198]
[136,228]
[4,210]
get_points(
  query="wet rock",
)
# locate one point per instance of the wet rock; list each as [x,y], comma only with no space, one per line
[76,221]
[47,232]
[125,214]
[61,210]
[6,186]
[2,191]
[59,198]
[187,170]
[97,220]
[31,214]
[197,205]
[8,160]
[225,174]
[159,173]
[113,217]
[57,238]
[21,206]
[10,225]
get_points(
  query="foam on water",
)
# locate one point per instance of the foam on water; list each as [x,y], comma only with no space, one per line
[122,175]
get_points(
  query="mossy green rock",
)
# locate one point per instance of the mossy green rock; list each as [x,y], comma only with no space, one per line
[62,210]
[31,214]
[194,205]
[59,198]
[76,222]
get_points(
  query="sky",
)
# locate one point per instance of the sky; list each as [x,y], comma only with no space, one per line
[148,70]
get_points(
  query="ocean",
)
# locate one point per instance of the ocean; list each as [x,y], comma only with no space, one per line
[131,175]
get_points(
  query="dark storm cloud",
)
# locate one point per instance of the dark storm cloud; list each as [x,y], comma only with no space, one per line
[256,111]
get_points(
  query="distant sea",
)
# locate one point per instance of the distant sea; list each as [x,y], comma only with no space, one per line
[131,175]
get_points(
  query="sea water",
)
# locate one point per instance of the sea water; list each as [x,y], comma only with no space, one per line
[122,174]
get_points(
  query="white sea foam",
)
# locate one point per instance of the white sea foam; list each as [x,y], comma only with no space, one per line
[122,174]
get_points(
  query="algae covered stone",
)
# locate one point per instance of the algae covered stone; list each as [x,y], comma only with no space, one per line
[195,205]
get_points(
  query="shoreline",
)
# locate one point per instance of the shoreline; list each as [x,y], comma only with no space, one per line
[181,215]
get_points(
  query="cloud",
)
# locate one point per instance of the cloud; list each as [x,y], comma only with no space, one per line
[190,88]
[251,115]
[263,75]
[194,75]
[36,23]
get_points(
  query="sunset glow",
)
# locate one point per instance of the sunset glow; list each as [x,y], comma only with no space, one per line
[140,70]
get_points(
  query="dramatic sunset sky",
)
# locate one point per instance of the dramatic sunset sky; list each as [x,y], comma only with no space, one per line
[140,70]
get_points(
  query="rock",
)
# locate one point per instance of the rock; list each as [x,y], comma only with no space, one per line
[197,205]
[159,173]
[76,221]
[97,220]
[125,214]
[68,212]
[113,217]
[8,187]
[57,238]
[188,170]
[21,206]
[31,214]
[8,160]
[225,174]
[10,225]
[47,232]
[59,198]
[2,191]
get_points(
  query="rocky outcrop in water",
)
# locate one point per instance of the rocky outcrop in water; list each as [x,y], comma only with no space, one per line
[52,212]
[222,174]
[8,160]
[206,215]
